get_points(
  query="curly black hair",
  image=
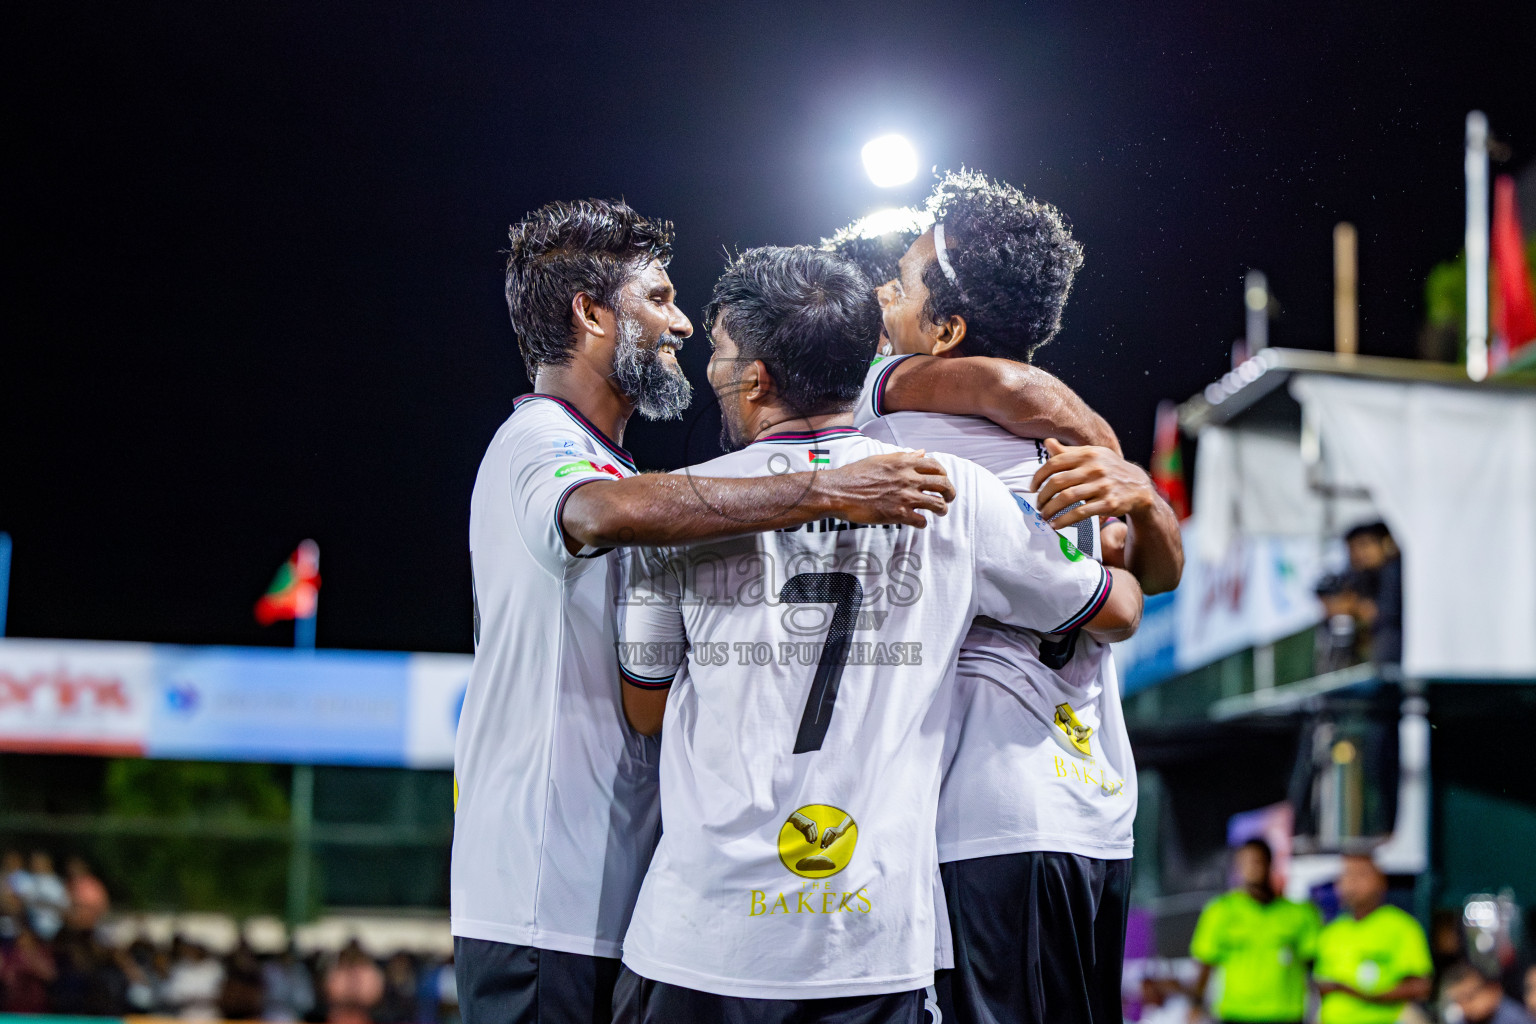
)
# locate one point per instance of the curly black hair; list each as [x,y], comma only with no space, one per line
[808,314]
[587,245]
[874,251]
[1014,259]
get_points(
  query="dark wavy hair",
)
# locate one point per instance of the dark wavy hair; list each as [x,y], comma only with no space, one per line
[808,314]
[588,245]
[877,255]
[1014,259]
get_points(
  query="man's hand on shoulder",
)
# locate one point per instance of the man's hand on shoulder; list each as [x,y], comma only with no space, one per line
[895,488]
[1107,484]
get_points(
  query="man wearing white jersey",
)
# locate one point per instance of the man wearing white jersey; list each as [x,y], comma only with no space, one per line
[1039,794]
[805,677]
[555,796]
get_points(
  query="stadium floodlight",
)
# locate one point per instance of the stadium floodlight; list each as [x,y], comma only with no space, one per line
[890,160]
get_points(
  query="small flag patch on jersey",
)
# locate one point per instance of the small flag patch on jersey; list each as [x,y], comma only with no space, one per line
[821,456]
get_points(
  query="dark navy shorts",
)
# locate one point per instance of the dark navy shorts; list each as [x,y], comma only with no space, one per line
[638,1000]
[502,983]
[1039,939]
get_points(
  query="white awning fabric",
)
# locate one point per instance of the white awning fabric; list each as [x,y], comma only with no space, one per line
[1452,472]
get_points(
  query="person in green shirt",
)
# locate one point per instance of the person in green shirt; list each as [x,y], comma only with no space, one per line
[1262,943]
[1373,959]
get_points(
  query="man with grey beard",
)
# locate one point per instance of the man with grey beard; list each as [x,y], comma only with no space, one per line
[556,808]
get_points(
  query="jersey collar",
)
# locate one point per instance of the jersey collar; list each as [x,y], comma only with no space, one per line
[586,424]
[805,436]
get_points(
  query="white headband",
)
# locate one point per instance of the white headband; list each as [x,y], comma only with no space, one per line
[943,254]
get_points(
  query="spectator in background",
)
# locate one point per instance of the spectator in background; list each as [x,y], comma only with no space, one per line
[26,972]
[49,899]
[88,902]
[1373,959]
[1378,569]
[1481,999]
[195,981]
[1261,942]
[13,914]
[399,1003]
[289,989]
[447,993]
[241,997]
[353,987]
[1530,990]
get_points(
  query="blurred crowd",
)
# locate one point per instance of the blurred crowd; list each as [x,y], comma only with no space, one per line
[56,958]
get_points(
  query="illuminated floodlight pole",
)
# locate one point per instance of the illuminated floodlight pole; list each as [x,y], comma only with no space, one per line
[1256,301]
[889,160]
[1477,245]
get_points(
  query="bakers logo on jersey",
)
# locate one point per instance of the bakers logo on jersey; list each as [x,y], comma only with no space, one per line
[1077,733]
[815,842]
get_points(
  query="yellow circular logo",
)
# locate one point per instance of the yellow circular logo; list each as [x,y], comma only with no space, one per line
[818,840]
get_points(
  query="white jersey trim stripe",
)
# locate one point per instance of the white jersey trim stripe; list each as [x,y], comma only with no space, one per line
[1089,610]
[877,393]
[585,424]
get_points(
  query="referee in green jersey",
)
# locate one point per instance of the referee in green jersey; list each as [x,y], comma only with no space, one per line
[1373,958]
[1261,942]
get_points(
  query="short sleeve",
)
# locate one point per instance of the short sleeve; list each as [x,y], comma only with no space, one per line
[1028,574]
[1205,945]
[871,399]
[652,641]
[1413,959]
[549,457]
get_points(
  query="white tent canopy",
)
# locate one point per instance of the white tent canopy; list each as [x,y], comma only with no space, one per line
[1450,469]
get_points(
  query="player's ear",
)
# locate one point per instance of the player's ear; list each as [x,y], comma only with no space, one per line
[950,334]
[757,382]
[586,315]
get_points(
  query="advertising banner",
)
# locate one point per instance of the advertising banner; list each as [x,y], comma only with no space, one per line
[1259,590]
[231,703]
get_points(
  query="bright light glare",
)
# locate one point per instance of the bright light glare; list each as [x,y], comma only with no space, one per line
[890,160]
[890,221]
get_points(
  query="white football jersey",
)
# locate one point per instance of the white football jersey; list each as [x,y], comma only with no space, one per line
[1039,757]
[556,796]
[810,673]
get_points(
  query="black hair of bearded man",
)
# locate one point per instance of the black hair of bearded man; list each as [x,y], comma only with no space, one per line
[808,314]
[1014,259]
[586,245]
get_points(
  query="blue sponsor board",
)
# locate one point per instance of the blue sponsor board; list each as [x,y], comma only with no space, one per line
[254,704]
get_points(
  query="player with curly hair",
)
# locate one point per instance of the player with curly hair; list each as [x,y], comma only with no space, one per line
[1039,794]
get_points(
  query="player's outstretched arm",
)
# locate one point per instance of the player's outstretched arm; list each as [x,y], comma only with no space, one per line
[1121,613]
[1108,485]
[675,509]
[1023,399]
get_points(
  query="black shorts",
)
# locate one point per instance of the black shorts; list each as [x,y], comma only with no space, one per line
[638,1000]
[502,983]
[1039,939]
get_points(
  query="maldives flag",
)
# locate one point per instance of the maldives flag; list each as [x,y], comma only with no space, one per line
[1168,461]
[295,591]
[1514,311]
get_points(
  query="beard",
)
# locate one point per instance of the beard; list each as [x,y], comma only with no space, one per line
[659,392]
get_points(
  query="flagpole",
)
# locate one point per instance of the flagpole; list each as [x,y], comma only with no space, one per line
[301,802]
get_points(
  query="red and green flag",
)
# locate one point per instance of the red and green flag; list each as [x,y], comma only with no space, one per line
[1168,461]
[295,592]
[1514,308]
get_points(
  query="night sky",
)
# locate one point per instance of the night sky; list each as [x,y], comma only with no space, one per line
[255,290]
